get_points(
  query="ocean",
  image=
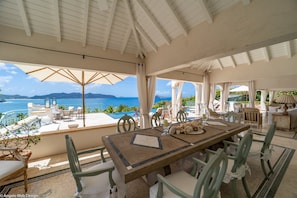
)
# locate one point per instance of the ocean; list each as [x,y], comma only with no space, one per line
[20,105]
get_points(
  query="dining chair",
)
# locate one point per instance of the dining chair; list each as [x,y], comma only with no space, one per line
[252,116]
[96,181]
[156,120]
[126,123]
[237,164]
[205,183]
[181,116]
[233,117]
[264,154]
[11,168]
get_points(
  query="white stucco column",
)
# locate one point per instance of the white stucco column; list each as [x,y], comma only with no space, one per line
[263,100]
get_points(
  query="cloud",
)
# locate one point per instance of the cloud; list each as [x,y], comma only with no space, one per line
[163,93]
[5,79]
[169,83]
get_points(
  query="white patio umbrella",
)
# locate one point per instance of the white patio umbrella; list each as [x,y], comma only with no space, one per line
[243,88]
[81,77]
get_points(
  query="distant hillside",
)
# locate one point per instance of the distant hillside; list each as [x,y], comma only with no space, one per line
[2,96]
[58,96]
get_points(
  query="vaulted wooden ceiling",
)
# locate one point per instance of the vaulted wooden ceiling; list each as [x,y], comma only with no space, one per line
[127,28]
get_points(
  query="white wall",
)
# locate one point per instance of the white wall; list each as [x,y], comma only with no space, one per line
[53,143]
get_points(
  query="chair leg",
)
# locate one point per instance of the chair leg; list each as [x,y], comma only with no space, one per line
[270,167]
[264,169]
[234,188]
[246,187]
[25,180]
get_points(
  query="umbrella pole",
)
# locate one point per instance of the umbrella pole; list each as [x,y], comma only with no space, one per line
[83,97]
[83,105]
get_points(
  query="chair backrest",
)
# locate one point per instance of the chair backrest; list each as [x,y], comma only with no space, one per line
[213,113]
[73,161]
[181,116]
[126,123]
[237,107]
[233,117]
[252,115]
[268,137]
[212,175]
[243,150]
[156,120]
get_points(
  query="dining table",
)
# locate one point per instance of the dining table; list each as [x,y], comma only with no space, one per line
[143,151]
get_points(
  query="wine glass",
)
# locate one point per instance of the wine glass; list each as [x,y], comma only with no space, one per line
[165,126]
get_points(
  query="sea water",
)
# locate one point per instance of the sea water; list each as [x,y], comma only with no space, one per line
[21,105]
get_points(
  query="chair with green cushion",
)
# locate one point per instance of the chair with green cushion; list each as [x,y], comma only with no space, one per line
[156,120]
[237,165]
[181,116]
[183,184]
[126,123]
[265,153]
[96,181]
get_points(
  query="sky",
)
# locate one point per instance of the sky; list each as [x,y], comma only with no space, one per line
[13,81]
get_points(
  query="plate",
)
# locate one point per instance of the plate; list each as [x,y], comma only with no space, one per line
[197,132]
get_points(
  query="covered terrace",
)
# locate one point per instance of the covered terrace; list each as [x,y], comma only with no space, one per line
[204,42]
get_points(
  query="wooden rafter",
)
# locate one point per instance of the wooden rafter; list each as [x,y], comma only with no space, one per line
[266,54]
[176,17]
[56,15]
[288,46]
[205,11]
[154,21]
[146,37]
[233,62]
[24,17]
[126,39]
[248,58]
[132,25]
[109,23]
[85,22]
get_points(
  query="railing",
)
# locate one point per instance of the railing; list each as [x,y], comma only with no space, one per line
[11,117]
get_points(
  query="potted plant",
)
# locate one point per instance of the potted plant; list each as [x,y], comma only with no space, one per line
[18,137]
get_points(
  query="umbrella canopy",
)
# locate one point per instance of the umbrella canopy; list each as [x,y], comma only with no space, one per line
[81,77]
[242,88]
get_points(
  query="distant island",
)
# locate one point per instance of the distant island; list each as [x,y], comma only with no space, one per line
[56,95]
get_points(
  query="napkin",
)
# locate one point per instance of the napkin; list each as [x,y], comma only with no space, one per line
[216,123]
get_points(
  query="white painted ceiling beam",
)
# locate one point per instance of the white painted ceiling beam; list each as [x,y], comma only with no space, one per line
[146,37]
[109,23]
[288,46]
[131,18]
[154,21]
[56,15]
[176,18]
[85,22]
[24,17]
[266,54]
[233,61]
[126,39]
[220,64]
[205,11]
[247,57]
